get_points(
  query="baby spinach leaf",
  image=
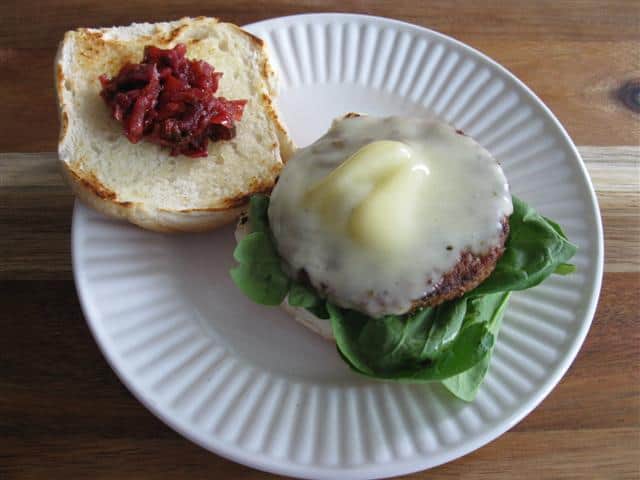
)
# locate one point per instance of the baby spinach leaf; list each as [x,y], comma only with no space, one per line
[258,213]
[408,347]
[536,247]
[306,297]
[471,346]
[259,274]
[446,325]
[302,296]
[393,347]
[489,310]
[255,247]
[565,269]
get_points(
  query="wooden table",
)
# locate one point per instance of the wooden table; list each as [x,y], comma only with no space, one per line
[63,412]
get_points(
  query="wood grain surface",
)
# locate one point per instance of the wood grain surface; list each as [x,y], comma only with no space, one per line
[63,412]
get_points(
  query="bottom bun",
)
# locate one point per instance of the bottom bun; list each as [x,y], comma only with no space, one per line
[309,320]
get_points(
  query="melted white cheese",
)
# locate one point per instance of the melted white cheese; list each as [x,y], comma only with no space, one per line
[378,209]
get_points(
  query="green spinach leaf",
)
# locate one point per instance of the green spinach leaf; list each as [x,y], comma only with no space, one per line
[535,249]
[259,274]
[409,347]
[565,269]
[447,321]
[303,296]
[306,297]
[258,217]
[489,310]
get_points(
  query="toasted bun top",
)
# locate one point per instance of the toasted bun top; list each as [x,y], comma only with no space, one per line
[141,182]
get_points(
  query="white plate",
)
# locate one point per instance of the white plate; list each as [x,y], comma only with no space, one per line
[248,383]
